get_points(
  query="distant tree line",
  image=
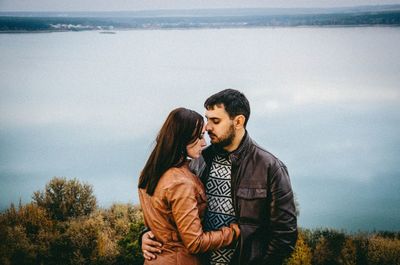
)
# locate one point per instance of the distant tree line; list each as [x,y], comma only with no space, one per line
[63,225]
[48,23]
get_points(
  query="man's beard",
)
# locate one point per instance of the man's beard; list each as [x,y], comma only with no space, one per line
[226,139]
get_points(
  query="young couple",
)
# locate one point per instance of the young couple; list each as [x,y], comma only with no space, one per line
[231,203]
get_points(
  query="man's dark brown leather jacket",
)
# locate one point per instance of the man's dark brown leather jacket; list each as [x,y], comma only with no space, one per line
[263,201]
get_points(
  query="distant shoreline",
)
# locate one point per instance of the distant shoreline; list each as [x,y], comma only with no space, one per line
[25,22]
[198,28]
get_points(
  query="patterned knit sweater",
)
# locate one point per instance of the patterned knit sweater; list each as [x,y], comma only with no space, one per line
[220,211]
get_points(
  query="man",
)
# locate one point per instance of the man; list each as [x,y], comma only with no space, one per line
[244,184]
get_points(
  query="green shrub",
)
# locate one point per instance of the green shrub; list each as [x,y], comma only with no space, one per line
[65,199]
[129,245]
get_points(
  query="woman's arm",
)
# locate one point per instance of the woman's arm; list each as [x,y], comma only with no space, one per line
[186,215]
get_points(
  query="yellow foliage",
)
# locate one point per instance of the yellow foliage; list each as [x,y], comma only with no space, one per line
[106,247]
[348,255]
[302,253]
[383,251]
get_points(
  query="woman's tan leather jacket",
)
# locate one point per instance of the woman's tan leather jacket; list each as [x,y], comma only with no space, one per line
[174,214]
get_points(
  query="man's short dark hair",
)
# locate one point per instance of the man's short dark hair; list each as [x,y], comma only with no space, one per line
[235,103]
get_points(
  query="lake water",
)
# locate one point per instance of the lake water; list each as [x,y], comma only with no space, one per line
[326,101]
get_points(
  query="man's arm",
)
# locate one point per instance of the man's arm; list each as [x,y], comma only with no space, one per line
[283,220]
[150,247]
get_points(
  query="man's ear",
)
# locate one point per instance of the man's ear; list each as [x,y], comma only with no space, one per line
[239,121]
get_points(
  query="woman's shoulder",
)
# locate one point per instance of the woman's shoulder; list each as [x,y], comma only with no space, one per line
[177,176]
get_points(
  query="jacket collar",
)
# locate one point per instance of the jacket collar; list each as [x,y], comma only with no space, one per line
[235,156]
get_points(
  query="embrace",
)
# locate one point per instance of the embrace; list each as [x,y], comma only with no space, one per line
[228,203]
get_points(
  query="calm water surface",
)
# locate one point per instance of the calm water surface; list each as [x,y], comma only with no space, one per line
[326,101]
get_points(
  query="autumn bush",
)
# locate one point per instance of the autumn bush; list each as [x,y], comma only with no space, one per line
[383,251]
[63,226]
[302,254]
[63,199]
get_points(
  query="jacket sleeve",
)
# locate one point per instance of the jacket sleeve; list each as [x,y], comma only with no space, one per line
[283,220]
[186,215]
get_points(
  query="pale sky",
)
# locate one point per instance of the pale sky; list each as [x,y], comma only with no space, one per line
[132,5]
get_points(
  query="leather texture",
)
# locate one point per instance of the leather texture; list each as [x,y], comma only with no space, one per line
[174,215]
[263,200]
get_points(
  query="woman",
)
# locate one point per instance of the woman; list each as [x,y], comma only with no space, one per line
[173,198]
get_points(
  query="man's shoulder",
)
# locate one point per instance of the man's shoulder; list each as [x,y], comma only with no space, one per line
[261,154]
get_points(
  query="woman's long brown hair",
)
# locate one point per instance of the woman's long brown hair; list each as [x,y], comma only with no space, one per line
[182,127]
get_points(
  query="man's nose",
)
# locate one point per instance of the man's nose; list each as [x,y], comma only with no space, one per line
[208,127]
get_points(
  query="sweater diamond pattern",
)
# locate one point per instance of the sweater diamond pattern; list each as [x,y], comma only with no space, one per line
[220,211]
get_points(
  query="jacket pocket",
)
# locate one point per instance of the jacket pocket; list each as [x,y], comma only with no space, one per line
[252,193]
[252,205]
